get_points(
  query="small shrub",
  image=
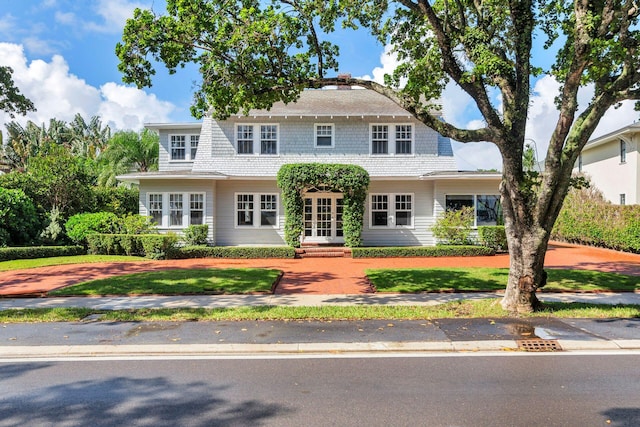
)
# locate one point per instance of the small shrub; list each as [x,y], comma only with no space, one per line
[81,225]
[118,200]
[52,232]
[245,252]
[195,235]
[158,246]
[454,227]
[8,254]
[138,224]
[421,251]
[493,236]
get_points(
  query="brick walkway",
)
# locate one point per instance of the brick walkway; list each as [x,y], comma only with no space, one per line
[310,275]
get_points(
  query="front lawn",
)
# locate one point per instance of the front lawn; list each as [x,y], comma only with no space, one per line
[413,280]
[22,264]
[170,282]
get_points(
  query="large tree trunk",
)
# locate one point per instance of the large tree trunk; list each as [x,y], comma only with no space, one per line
[527,250]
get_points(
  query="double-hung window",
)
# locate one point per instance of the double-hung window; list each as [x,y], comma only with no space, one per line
[196,209]
[244,139]
[268,139]
[391,210]
[155,207]
[324,135]
[175,210]
[183,147]
[387,139]
[257,210]
[261,139]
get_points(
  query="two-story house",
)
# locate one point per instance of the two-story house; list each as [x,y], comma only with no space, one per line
[223,173]
[612,162]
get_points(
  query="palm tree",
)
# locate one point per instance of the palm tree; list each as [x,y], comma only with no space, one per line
[129,151]
[88,139]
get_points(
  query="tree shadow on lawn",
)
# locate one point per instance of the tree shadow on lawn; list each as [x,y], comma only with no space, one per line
[438,280]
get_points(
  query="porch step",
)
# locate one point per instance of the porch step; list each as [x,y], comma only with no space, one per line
[323,252]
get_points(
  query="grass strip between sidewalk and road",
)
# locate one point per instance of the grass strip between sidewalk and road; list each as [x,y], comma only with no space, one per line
[23,264]
[179,282]
[488,308]
[414,280]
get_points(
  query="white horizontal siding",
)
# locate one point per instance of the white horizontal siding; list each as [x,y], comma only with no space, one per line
[227,232]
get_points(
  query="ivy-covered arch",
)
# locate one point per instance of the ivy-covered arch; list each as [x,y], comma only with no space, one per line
[351,180]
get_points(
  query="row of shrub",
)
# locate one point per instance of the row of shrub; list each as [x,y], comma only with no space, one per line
[246,252]
[598,223]
[31,252]
[421,251]
[154,246]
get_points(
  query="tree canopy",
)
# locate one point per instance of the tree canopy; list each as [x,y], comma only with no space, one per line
[11,100]
[252,53]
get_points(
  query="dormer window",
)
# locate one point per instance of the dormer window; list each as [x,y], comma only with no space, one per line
[179,149]
[261,139]
[324,135]
[391,139]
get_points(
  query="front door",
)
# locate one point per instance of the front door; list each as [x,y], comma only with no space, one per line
[323,218]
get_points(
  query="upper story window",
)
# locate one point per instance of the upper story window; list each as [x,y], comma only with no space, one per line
[179,149]
[261,139]
[324,135]
[623,151]
[392,139]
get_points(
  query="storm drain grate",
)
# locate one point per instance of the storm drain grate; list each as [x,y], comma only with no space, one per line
[539,345]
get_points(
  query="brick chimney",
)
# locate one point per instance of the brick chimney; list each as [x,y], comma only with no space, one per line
[344,86]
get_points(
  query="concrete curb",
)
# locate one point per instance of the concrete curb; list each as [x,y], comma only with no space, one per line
[62,351]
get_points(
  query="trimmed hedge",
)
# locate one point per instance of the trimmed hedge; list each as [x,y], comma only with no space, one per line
[422,251]
[597,223]
[154,246]
[32,252]
[493,236]
[245,252]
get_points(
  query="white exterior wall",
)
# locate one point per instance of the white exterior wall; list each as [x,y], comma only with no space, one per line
[602,164]
[417,235]
[164,160]
[228,233]
[184,187]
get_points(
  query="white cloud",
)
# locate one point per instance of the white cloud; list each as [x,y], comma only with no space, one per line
[114,14]
[389,62]
[59,94]
[68,18]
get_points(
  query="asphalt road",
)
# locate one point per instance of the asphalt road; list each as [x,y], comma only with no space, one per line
[453,390]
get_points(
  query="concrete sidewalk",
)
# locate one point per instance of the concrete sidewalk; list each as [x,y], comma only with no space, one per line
[92,338]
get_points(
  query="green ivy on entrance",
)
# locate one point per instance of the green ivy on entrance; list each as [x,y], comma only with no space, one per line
[352,181]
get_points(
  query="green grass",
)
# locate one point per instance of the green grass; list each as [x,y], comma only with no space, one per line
[489,308]
[413,280]
[22,264]
[198,281]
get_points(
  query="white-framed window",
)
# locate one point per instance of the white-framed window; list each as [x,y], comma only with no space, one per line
[623,151]
[392,139]
[580,162]
[391,210]
[183,147]
[155,207]
[256,210]
[487,207]
[262,139]
[176,210]
[196,208]
[324,135]
[623,199]
[244,139]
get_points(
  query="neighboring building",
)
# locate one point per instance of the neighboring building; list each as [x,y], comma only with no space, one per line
[223,173]
[613,164]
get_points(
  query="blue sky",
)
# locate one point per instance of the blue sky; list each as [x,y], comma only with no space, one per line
[62,52]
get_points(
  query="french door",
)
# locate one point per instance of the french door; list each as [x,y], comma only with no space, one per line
[323,218]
